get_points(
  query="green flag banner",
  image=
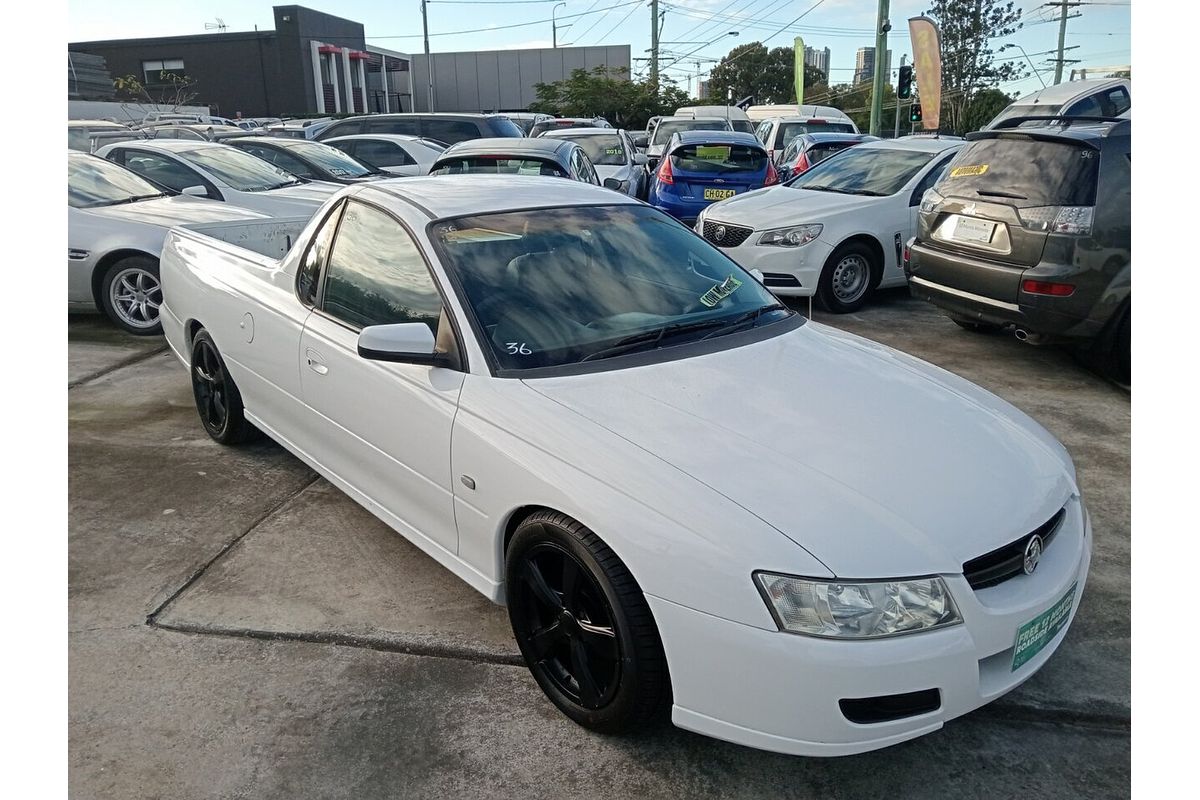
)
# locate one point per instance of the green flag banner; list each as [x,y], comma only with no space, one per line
[799,70]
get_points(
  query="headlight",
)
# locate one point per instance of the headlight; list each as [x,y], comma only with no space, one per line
[791,237]
[857,610]
[930,199]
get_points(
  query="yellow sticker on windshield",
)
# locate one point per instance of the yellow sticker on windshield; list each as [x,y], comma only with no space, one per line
[712,152]
[977,169]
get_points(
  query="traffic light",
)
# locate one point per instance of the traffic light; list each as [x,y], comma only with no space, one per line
[914,113]
[904,84]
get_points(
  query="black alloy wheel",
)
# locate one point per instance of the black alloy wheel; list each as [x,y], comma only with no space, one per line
[583,625]
[217,398]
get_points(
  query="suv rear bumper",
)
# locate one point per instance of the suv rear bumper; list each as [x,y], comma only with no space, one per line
[1045,318]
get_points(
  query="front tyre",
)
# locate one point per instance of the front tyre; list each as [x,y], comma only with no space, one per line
[131,295]
[583,625]
[217,398]
[847,279]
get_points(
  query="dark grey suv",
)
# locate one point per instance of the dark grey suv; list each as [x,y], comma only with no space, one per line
[448,128]
[1028,230]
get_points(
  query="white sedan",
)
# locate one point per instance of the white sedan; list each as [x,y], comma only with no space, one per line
[589,413]
[116,223]
[220,172]
[402,156]
[838,230]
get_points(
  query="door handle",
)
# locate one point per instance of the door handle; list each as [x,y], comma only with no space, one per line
[315,363]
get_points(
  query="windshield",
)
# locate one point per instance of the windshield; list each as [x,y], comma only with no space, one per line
[1039,110]
[1023,172]
[497,165]
[718,159]
[330,159]
[790,130]
[93,182]
[873,171]
[241,171]
[743,125]
[562,286]
[667,128]
[604,149]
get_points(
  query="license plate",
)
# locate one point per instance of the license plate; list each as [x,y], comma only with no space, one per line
[1033,635]
[718,194]
[973,230]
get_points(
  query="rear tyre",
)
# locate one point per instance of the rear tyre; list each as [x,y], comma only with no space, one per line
[218,400]
[583,626]
[974,325]
[131,294]
[848,278]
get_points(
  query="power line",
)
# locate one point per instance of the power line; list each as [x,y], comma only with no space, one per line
[810,9]
[620,22]
[514,25]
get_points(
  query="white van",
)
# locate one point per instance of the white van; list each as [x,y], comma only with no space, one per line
[1106,97]
[737,117]
[776,132]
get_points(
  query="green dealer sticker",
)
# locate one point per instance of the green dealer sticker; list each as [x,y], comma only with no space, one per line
[1034,635]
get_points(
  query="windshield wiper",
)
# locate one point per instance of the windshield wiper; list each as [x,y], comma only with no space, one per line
[651,338]
[994,193]
[123,200]
[742,319]
[866,192]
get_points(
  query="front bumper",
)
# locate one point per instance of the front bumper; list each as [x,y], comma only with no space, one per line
[779,691]
[787,271]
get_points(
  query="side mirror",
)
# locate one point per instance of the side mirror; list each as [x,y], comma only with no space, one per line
[641,141]
[639,159]
[612,183]
[196,191]
[404,343]
[758,276]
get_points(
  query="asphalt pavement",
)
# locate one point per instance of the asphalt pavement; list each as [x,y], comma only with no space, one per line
[241,629]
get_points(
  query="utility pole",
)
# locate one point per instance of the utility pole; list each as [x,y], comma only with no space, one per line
[882,26]
[554,26]
[896,127]
[428,58]
[1064,5]
[654,43]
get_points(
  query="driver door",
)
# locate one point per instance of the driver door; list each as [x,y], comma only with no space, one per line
[383,428]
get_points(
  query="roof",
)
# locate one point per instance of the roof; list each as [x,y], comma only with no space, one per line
[457,195]
[567,133]
[817,138]
[921,145]
[408,114]
[506,145]
[717,137]
[1082,131]
[387,137]
[1062,92]
[176,145]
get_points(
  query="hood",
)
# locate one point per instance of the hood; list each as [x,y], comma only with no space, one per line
[876,463]
[170,211]
[777,206]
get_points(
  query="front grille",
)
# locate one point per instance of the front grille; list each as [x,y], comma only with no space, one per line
[1008,561]
[723,234]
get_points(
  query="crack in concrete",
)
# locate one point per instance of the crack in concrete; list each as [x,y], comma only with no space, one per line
[152,618]
[127,362]
[411,648]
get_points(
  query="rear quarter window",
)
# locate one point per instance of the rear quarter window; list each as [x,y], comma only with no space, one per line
[1023,172]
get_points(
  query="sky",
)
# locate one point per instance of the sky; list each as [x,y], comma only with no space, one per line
[693,29]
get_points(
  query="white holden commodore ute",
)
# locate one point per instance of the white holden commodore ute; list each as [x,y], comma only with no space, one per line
[595,417]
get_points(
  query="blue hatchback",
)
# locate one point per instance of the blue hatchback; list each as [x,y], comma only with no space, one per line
[701,167]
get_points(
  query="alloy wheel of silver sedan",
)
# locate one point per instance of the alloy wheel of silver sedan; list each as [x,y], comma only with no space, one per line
[133,295]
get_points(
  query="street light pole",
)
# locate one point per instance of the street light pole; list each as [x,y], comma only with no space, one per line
[428,58]
[882,26]
[554,26]
[896,127]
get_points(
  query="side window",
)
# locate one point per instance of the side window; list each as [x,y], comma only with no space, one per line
[1087,107]
[309,274]
[929,180]
[1119,101]
[166,171]
[589,172]
[405,127]
[761,131]
[450,130]
[376,275]
[382,154]
[290,163]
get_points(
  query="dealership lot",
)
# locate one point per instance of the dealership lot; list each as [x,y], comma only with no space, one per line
[240,628]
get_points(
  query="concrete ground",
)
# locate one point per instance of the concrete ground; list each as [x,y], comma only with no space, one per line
[240,629]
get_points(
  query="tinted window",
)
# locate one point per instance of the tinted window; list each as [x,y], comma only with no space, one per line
[161,169]
[493,165]
[405,126]
[717,159]
[500,126]
[452,130]
[564,285]
[820,152]
[743,125]
[1040,110]
[790,130]
[605,149]
[343,128]
[872,171]
[666,128]
[1108,103]
[376,275]
[1024,172]
[381,154]
[314,259]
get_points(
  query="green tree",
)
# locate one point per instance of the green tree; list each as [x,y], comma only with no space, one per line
[968,60]
[986,104]
[767,75]
[610,94]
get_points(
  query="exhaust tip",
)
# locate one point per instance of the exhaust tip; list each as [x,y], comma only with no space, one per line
[1021,334]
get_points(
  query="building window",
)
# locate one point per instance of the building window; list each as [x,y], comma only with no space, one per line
[159,72]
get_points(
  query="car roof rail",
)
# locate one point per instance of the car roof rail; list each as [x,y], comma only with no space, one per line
[1064,120]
